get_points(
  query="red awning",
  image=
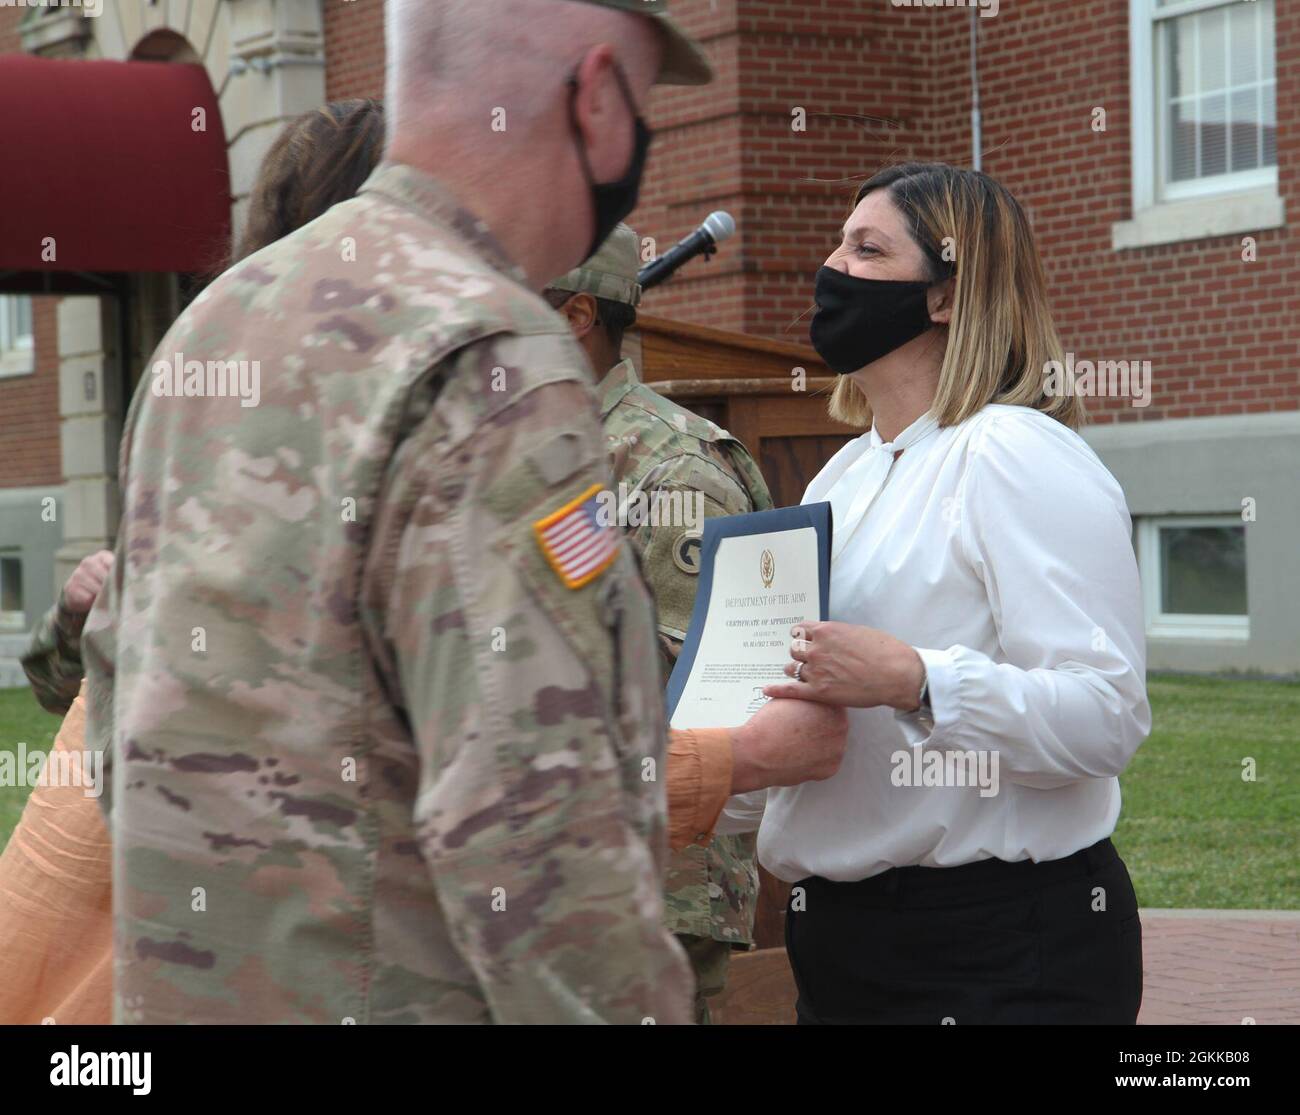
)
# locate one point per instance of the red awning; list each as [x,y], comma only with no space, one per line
[103,158]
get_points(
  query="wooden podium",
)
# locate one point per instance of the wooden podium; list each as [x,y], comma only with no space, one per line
[747,385]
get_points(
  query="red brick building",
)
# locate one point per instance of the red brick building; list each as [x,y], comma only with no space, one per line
[1154,144]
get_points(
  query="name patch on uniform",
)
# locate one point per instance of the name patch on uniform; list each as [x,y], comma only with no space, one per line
[579,546]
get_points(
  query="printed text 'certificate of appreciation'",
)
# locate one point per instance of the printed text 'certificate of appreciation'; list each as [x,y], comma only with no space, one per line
[760,574]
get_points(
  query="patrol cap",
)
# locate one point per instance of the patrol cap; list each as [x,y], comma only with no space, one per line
[683,61]
[610,273]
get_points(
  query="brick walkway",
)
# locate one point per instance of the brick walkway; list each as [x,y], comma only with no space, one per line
[1220,966]
[1200,966]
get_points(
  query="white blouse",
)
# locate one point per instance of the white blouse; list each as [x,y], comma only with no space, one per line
[1001,550]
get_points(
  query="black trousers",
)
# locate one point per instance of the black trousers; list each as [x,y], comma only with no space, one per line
[987,942]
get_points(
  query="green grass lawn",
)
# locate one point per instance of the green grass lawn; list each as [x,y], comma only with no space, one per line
[1192,831]
[21,720]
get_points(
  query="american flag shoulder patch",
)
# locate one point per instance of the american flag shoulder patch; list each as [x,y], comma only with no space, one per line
[577,544]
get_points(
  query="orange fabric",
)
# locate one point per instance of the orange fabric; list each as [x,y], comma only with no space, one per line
[699,783]
[56,930]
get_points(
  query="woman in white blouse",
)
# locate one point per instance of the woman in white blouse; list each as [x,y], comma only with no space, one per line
[985,634]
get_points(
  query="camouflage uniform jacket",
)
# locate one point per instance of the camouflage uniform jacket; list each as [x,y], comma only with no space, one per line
[673,456]
[376,754]
[52,661]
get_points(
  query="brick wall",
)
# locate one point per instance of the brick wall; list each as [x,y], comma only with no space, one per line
[354,48]
[9,20]
[29,410]
[29,405]
[731,145]
[851,67]
[882,84]
[1223,335]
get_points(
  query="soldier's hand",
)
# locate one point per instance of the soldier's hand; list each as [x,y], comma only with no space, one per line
[787,742]
[86,582]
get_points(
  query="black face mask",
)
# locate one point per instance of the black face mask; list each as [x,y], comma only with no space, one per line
[612,201]
[860,320]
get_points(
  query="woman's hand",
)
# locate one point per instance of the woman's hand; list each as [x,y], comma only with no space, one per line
[858,667]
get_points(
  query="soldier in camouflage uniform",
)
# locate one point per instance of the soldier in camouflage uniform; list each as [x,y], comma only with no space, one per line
[52,661]
[382,749]
[665,458]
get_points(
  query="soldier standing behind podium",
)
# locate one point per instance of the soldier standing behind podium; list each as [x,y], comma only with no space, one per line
[672,469]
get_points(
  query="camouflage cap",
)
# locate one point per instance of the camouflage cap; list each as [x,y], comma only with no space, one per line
[683,62]
[610,273]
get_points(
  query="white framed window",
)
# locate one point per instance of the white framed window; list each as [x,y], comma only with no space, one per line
[12,613]
[1194,576]
[17,348]
[1203,95]
[1216,96]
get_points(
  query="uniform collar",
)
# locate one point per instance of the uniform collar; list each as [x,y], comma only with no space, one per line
[437,204]
[618,381]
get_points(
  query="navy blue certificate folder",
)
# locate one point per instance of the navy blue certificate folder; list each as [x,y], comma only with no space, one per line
[815,515]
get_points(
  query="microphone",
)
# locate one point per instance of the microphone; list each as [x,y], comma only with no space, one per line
[717,227]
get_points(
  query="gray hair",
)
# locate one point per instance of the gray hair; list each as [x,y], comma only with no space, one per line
[461,58]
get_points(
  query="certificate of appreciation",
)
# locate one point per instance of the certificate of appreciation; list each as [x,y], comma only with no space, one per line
[760,574]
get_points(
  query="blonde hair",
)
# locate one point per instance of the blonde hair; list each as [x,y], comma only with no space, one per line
[1001,336]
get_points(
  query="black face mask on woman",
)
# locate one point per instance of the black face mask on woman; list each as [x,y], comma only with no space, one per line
[612,201]
[860,320]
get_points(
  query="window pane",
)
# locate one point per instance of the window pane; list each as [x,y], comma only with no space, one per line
[1268,42]
[1203,571]
[24,318]
[1269,96]
[1214,134]
[1245,129]
[1243,44]
[1219,98]
[1180,37]
[1182,141]
[1212,31]
[11,584]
